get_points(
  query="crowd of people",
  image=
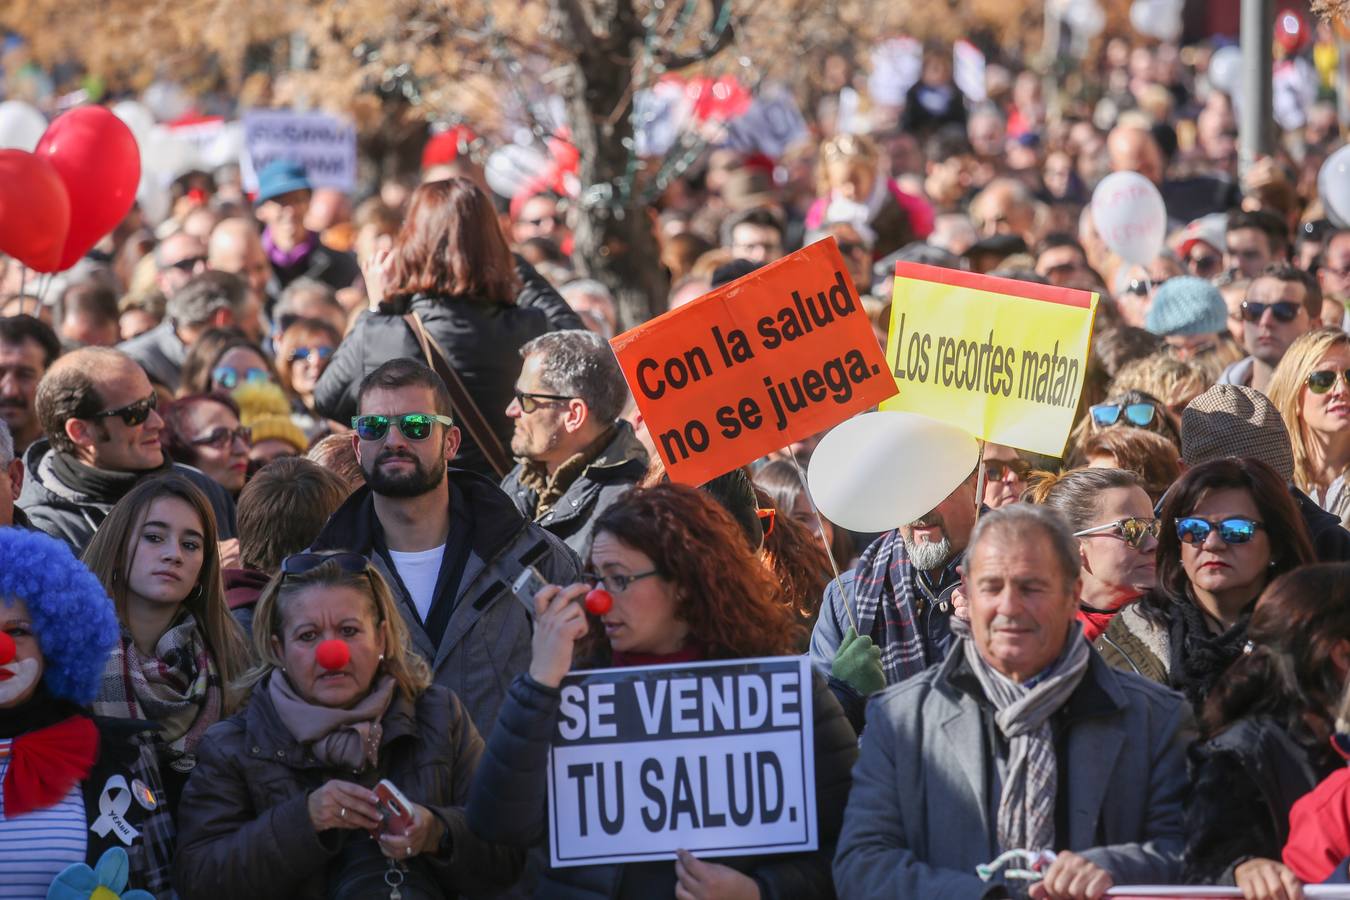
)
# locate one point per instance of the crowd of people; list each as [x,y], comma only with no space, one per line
[272,467]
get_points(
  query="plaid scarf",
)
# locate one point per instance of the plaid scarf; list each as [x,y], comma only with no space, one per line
[884,598]
[179,687]
[1026,809]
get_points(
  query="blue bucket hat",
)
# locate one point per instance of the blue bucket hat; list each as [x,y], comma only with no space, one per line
[1187,305]
[281,176]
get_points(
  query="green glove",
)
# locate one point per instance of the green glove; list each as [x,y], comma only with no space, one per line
[858,663]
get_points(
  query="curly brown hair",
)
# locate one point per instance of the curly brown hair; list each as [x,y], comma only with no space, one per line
[730,600]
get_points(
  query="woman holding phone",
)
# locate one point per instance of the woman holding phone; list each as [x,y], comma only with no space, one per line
[292,796]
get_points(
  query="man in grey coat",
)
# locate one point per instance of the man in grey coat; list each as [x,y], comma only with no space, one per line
[1023,739]
[575,455]
[448,541]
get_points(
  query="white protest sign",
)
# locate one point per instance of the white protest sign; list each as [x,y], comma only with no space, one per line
[715,758]
[771,125]
[324,144]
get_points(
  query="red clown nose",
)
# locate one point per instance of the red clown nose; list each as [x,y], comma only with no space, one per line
[599,602]
[333,655]
[6,649]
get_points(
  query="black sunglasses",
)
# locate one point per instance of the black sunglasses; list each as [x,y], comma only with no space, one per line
[530,402]
[415,426]
[998,469]
[220,436]
[132,414]
[1283,311]
[1323,380]
[188,264]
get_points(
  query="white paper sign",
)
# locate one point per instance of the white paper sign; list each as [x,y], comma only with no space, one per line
[325,144]
[771,125]
[714,758]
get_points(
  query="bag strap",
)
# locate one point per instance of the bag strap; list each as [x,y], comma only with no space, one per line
[462,402]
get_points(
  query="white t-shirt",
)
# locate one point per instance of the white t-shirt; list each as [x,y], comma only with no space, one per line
[419,571]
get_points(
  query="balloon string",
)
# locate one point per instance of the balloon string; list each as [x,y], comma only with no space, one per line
[820,530]
[23,278]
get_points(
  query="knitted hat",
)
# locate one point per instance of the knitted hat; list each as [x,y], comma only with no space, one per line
[1187,305]
[280,428]
[1232,420]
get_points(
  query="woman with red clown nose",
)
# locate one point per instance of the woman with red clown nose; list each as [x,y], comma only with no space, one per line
[73,787]
[289,797]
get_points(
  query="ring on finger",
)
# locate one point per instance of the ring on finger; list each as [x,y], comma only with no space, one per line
[342,813]
[407,851]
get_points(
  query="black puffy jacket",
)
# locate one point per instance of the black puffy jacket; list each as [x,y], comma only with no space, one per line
[482,340]
[507,804]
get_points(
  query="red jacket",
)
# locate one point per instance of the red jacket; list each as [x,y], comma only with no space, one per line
[1319,829]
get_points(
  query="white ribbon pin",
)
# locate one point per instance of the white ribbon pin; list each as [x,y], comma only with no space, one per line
[113,804]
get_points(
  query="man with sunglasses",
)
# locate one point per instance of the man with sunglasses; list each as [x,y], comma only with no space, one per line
[575,456]
[98,411]
[1282,303]
[448,541]
[209,300]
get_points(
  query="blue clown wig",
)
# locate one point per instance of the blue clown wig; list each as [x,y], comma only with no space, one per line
[72,616]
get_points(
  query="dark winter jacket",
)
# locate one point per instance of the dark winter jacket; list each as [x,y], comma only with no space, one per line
[334,268]
[160,352]
[620,465]
[507,804]
[1244,781]
[1331,541]
[486,641]
[244,825]
[482,341]
[73,516]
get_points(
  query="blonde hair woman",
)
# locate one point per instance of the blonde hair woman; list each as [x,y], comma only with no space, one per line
[1311,389]
[853,188]
[338,703]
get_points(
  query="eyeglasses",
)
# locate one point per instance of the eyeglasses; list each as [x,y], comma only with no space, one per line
[300,563]
[1323,380]
[221,437]
[530,402]
[1283,311]
[229,378]
[535,223]
[998,469]
[1206,266]
[415,426]
[187,264]
[615,583]
[1132,530]
[303,353]
[1140,415]
[767,517]
[132,414]
[1237,530]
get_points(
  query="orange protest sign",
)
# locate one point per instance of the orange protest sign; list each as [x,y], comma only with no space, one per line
[776,356]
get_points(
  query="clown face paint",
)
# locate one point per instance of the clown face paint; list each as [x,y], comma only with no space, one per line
[18,680]
[21,671]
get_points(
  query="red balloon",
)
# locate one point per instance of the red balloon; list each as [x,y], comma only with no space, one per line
[333,655]
[599,601]
[96,156]
[7,649]
[34,210]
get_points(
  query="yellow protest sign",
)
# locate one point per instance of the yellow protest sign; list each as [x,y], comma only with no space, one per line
[1001,359]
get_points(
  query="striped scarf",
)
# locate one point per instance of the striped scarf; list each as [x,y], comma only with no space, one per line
[1026,810]
[884,595]
[178,687]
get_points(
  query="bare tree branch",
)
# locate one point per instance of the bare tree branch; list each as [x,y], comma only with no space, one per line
[671,60]
[582,33]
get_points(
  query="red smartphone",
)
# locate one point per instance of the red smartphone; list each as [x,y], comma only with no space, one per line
[396,815]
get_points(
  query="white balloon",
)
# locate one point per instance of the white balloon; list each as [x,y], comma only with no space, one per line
[165,155]
[1333,186]
[1085,18]
[1225,69]
[137,117]
[1130,216]
[881,470]
[513,167]
[21,126]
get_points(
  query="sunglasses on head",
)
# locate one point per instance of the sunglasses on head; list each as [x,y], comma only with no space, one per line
[221,437]
[132,414]
[1283,311]
[229,378]
[300,354]
[1132,530]
[415,426]
[998,469]
[1140,415]
[1323,380]
[300,563]
[767,517]
[1237,530]
[530,402]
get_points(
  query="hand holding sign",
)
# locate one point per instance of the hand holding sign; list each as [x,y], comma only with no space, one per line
[558,625]
[699,880]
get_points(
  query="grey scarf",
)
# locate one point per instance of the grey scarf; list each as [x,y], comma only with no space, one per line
[1026,811]
[340,738]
